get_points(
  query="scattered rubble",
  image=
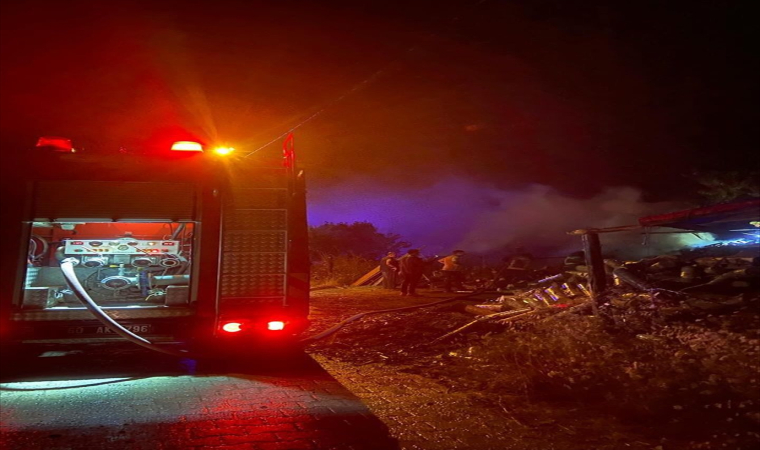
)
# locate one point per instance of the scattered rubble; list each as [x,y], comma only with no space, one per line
[712,278]
[661,373]
[669,343]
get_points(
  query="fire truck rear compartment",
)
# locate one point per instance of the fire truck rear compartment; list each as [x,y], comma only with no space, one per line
[169,260]
[119,269]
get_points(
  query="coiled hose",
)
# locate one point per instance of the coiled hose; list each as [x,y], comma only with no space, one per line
[67,267]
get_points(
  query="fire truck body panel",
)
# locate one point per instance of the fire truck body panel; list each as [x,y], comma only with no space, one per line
[172,247]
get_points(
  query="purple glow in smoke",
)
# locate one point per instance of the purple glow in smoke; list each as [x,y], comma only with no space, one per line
[461,213]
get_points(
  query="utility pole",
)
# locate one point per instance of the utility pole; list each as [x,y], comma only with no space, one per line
[597,276]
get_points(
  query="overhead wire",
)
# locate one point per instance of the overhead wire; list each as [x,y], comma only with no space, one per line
[356,87]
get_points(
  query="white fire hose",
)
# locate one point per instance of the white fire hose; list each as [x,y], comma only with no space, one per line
[67,267]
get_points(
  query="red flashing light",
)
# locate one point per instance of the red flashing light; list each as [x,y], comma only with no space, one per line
[288,152]
[232,327]
[57,144]
[276,325]
[187,146]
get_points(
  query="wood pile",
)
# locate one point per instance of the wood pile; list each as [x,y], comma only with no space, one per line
[708,279]
[728,273]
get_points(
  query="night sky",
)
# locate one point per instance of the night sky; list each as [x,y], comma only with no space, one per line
[475,123]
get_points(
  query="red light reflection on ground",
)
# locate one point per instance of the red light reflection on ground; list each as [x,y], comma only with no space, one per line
[306,411]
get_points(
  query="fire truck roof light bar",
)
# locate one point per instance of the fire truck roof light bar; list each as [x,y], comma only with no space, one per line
[187,146]
[57,144]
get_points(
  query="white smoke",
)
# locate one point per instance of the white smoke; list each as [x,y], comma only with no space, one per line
[541,217]
[482,219]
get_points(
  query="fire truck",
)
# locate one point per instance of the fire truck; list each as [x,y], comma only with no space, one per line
[181,246]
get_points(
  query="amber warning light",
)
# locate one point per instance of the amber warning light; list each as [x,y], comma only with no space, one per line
[223,150]
[187,146]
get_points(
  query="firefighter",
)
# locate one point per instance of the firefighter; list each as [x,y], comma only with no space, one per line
[411,269]
[389,269]
[453,271]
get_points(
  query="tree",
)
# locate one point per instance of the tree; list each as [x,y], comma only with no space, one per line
[360,239]
[722,187]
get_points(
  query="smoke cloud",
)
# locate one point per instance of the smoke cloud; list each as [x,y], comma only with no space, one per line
[460,213]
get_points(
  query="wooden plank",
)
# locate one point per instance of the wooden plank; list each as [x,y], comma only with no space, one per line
[361,281]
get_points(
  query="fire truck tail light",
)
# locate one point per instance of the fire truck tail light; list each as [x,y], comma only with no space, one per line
[232,327]
[187,146]
[223,150]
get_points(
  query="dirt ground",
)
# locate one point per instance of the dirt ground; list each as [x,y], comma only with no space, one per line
[397,348]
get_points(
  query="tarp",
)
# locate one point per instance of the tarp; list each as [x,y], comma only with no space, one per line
[716,218]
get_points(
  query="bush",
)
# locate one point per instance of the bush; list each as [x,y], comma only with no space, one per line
[701,378]
[359,238]
[340,270]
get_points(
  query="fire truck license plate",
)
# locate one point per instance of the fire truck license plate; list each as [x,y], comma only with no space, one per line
[105,331]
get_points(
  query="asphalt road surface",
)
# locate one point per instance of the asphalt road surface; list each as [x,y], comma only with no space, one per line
[126,397]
